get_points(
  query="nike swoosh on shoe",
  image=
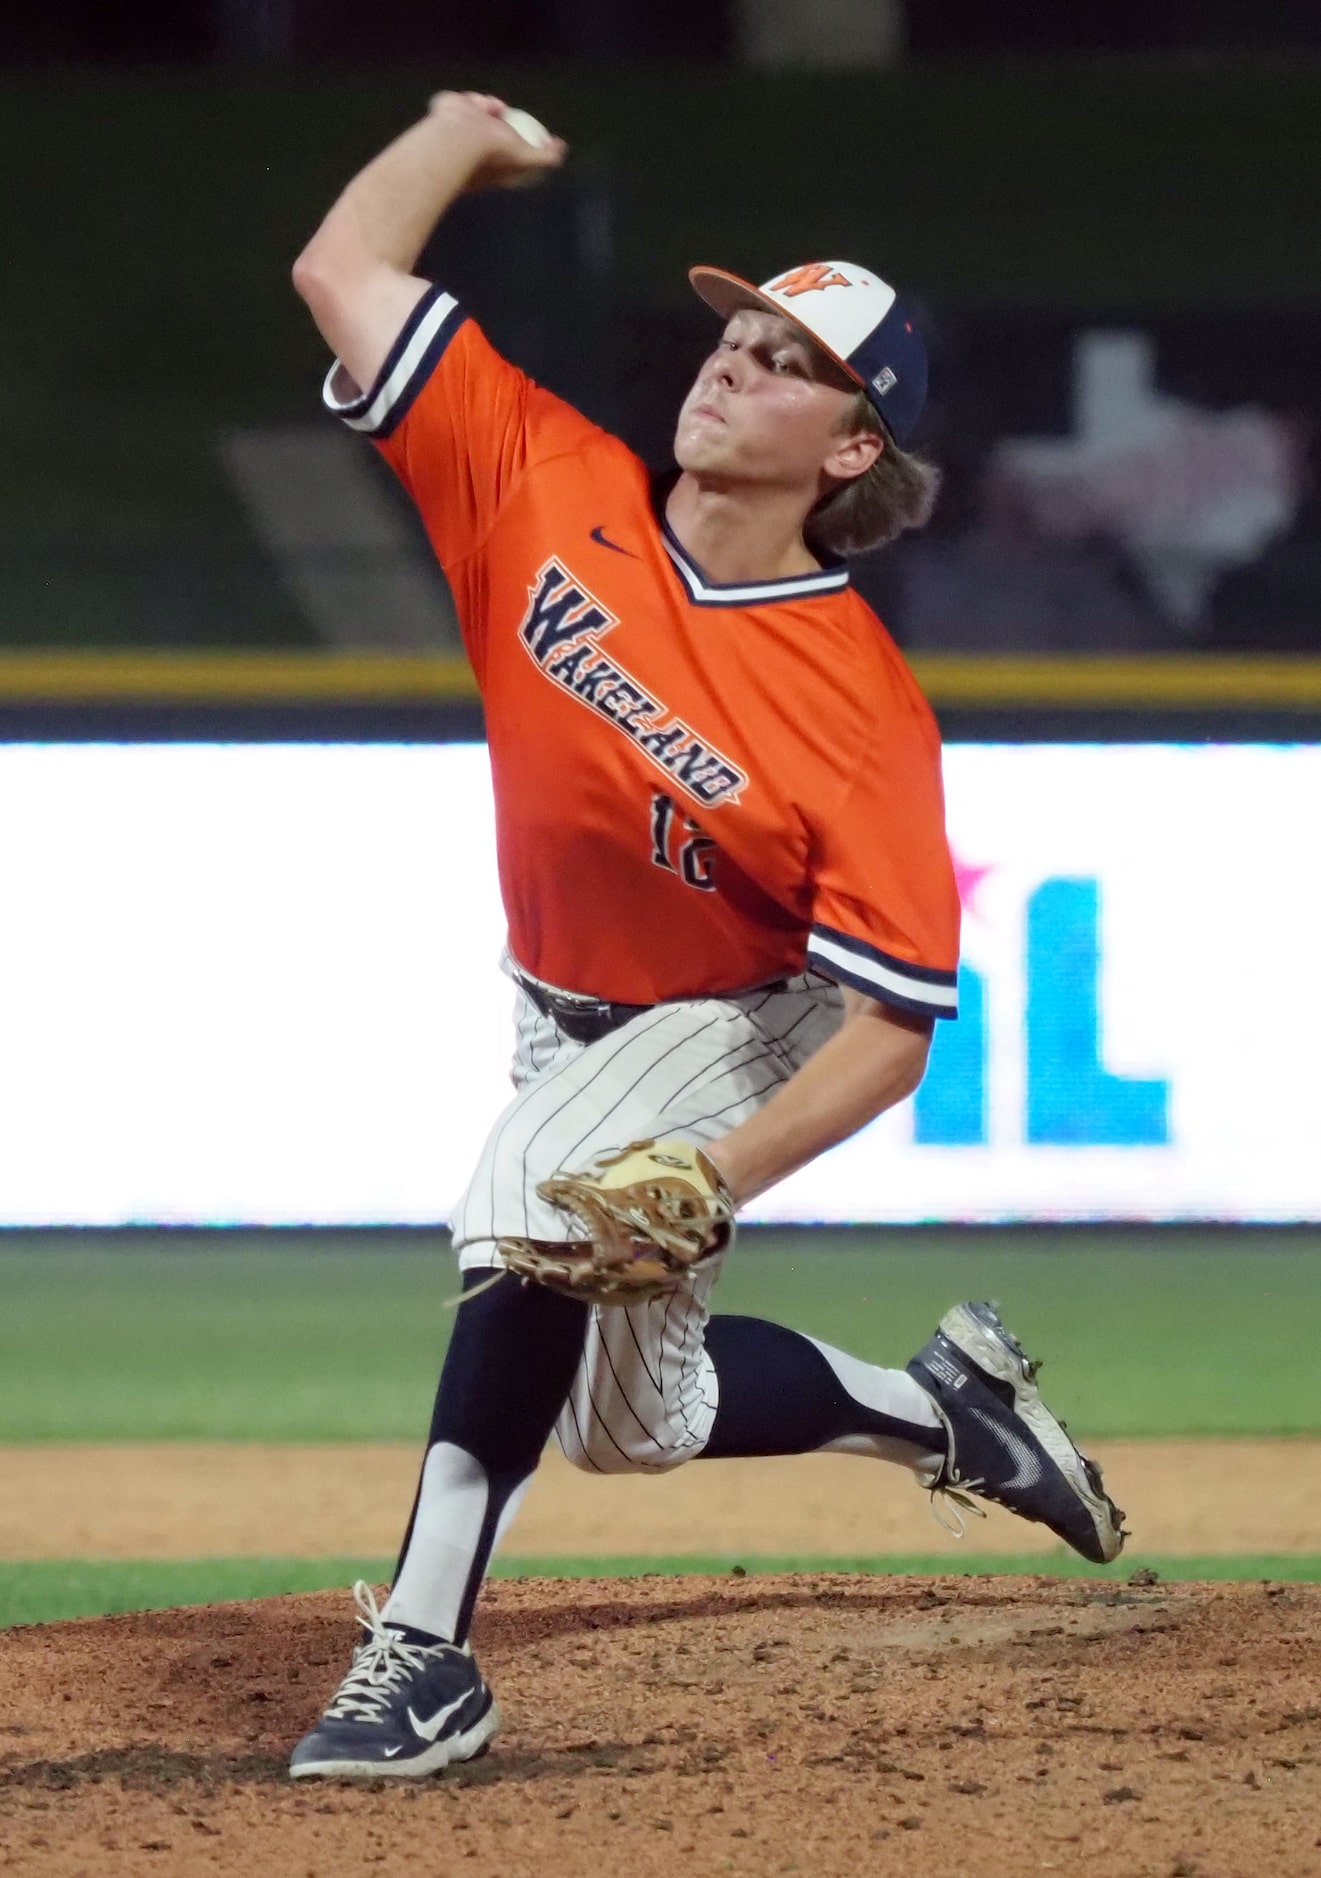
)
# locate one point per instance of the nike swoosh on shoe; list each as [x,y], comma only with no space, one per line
[1026,1463]
[429,1729]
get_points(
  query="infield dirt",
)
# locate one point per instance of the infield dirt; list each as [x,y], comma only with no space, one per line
[828,1725]
[184,1500]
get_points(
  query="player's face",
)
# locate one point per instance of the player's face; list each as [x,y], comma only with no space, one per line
[766,407]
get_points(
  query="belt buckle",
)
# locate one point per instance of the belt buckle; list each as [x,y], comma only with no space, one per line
[571,1010]
[568,1008]
[578,1006]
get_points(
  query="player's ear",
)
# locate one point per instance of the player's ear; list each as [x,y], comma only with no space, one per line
[852,454]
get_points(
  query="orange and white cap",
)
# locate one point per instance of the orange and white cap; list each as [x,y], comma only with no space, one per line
[853,316]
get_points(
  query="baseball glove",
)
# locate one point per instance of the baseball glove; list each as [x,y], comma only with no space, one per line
[652,1211]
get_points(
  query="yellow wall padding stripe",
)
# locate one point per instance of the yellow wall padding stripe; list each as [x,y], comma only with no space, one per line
[232,677]
[1193,682]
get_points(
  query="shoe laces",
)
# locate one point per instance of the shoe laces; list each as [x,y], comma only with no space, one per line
[382,1664]
[949,1501]
[949,1490]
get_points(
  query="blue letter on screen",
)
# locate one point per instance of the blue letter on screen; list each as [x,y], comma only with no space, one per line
[949,1110]
[1071,1100]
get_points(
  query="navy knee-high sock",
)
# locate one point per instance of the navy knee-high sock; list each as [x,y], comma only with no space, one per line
[784,1393]
[506,1376]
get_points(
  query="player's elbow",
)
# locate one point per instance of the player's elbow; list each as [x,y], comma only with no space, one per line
[334,271]
[913,1062]
[907,1047]
[317,278]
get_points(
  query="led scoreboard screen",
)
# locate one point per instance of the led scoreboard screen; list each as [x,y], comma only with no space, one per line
[260,984]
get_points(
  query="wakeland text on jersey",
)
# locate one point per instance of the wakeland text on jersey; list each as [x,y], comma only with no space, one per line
[561,628]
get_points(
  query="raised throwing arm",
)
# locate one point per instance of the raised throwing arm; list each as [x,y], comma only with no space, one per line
[355,274]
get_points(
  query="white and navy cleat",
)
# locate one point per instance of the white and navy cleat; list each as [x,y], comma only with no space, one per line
[1004,1443]
[406,1709]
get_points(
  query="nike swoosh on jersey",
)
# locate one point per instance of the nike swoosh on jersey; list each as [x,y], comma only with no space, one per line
[429,1729]
[1027,1465]
[598,535]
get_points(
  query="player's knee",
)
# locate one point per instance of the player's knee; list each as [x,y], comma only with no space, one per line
[596,1453]
[602,1447]
[619,1421]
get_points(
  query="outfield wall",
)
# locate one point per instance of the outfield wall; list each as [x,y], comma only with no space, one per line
[149,221]
[259,984]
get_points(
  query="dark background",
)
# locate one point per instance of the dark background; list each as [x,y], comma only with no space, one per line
[680,30]
[1027,173]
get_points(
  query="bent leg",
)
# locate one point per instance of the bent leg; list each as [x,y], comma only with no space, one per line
[662,1383]
[631,1388]
[779,1392]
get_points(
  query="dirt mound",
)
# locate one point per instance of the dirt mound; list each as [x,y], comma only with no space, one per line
[825,1725]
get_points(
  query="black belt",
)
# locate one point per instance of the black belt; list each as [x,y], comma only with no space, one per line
[584,1020]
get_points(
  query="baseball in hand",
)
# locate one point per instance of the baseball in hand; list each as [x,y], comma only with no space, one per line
[527,127]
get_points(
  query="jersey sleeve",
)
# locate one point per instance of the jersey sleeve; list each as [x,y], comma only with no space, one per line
[458,423]
[885,905]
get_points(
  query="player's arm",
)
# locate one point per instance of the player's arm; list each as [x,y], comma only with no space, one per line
[875,1059]
[884,926]
[355,274]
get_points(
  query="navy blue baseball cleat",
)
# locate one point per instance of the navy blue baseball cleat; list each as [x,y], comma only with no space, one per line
[1004,1443]
[405,1709]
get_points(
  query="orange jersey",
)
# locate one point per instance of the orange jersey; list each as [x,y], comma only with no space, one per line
[698,787]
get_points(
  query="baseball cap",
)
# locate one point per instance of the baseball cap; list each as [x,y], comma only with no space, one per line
[853,316]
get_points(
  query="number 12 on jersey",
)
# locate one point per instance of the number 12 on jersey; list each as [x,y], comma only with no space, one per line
[679,846]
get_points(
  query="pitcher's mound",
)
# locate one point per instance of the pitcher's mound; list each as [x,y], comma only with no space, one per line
[827,1725]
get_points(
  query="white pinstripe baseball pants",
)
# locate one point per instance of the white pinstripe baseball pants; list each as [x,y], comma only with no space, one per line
[644,1396]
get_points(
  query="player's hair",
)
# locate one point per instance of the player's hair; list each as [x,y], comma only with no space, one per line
[898,492]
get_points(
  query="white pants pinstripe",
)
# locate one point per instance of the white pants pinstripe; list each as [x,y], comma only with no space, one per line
[644,1397]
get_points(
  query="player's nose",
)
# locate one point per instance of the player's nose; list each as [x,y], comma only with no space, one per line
[724,370]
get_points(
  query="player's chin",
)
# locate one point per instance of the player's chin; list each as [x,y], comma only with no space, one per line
[699,449]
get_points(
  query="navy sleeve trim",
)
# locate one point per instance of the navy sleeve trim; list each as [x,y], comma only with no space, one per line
[410,362]
[921,988]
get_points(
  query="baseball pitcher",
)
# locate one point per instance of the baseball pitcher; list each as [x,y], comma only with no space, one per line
[731,912]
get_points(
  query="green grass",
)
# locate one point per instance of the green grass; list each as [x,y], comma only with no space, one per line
[306,1337]
[47,1591]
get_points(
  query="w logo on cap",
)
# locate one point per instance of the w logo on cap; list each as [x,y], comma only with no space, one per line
[869,333]
[814,278]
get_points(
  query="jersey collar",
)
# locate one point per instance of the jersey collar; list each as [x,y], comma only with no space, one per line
[703,591]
